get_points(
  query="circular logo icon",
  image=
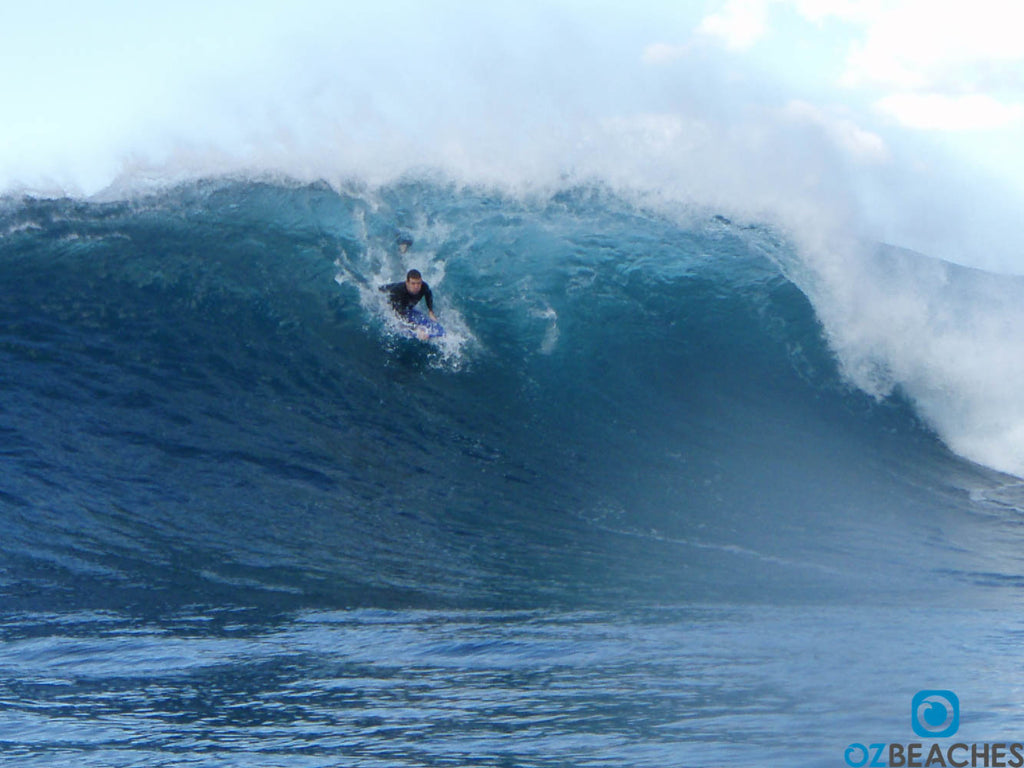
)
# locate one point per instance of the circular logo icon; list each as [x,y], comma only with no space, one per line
[935,714]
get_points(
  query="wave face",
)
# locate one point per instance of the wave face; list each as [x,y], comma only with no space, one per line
[204,401]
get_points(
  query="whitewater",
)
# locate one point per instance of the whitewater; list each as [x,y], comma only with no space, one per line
[719,463]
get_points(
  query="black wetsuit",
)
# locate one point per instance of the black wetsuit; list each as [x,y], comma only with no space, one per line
[402,301]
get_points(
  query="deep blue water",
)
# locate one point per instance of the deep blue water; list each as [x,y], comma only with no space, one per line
[630,512]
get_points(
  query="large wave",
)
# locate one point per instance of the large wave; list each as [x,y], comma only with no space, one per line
[203,398]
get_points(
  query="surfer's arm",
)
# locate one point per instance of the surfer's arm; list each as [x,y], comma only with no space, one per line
[428,298]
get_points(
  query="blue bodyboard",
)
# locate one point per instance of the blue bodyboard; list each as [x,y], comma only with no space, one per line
[418,324]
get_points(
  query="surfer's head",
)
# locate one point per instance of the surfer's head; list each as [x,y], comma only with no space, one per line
[413,281]
[404,243]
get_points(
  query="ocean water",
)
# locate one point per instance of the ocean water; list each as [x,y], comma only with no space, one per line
[674,490]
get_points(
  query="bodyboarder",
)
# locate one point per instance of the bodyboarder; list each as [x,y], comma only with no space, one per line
[404,296]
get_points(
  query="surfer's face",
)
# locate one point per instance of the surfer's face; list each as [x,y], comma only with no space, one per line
[412,285]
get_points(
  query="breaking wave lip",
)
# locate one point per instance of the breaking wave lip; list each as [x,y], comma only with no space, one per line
[941,334]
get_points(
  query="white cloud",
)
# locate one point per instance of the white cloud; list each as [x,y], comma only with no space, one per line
[934,111]
[916,44]
[740,24]
[662,53]
[861,144]
[952,66]
[817,11]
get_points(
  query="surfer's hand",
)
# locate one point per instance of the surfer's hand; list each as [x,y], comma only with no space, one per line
[432,316]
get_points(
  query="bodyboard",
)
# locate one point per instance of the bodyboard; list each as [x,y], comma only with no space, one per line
[419,326]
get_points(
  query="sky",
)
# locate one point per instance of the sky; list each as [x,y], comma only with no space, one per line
[952,71]
[905,116]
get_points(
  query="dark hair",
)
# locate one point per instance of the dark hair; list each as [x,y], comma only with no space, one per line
[413,274]
[405,240]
